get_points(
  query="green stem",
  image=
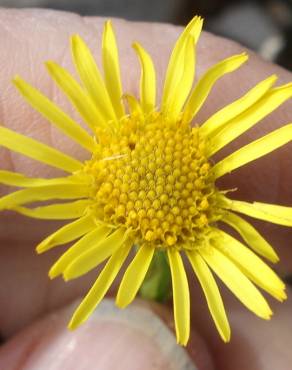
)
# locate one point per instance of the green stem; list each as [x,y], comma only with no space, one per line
[157,284]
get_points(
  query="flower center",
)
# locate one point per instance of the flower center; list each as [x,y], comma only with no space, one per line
[155,180]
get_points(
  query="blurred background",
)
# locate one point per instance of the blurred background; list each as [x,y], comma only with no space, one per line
[262,25]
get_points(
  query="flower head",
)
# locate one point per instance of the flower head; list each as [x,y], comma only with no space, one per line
[149,184]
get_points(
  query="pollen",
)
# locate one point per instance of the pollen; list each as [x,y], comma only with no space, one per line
[154,181]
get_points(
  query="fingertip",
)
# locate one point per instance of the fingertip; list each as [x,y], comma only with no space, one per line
[112,339]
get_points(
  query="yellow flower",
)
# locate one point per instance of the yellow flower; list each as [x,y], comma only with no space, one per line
[149,181]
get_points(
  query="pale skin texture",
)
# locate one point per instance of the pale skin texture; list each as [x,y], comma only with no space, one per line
[27,40]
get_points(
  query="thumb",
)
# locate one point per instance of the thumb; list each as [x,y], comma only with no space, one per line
[134,338]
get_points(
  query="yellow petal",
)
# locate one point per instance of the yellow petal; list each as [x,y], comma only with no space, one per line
[100,287]
[20,197]
[220,119]
[54,114]
[212,294]
[250,264]
[134,106]
[134,276]
[250,235]
[111,67]
[147,80]
[95,255]
[91,239]
[67,233]
[78,97]
[247,119]
[273,213]
[184,85]
[253,151]
[91,77]
[181,296]
[19,180]
[203,87]
[176,61]
[38,151]
[63,211]
[237,282]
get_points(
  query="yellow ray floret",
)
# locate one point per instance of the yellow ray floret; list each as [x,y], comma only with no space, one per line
[67,233]
[247,119]
[201,91]
[254,150]
[181,296]
[221,119]
[147,190]
[64,191]
[185,82]
[111,68]
[134,276]
[85,243]
[148,79]
[19,180]
[54,114]
[36,150]
[100,287]
[62,211]
[237,282]
[91,78]
[176,61]
[78,97]
[251,236]
[94,256]
[273,213]
[212,294]
[250,264]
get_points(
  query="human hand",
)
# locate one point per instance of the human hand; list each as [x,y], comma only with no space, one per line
[28,39]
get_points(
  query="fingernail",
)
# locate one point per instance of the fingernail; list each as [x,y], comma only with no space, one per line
[132,339]
[140,325]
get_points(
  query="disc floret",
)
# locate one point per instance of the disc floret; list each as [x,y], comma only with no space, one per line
[154,179]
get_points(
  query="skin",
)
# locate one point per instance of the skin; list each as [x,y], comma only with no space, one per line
[28,39]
